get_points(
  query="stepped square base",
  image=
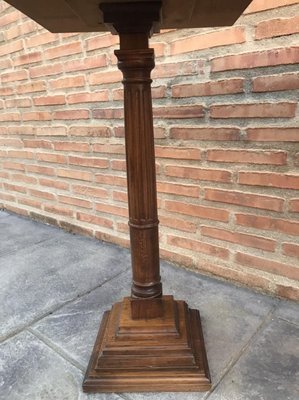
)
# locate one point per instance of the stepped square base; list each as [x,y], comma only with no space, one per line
[161,354]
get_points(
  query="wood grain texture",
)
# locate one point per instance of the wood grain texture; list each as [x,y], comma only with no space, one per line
[85,16]
[159,358]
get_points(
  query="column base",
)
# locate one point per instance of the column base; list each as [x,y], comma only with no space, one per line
[163,354]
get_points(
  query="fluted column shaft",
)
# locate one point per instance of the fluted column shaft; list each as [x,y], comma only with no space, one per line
[136,66]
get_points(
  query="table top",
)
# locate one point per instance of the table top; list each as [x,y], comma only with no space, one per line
[85,15]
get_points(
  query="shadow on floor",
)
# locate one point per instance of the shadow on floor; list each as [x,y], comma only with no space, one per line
[55,286]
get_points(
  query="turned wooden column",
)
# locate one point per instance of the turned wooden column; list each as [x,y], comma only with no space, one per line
[136,61]
[147,341]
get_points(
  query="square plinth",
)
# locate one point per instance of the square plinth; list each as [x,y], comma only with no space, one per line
[154,362]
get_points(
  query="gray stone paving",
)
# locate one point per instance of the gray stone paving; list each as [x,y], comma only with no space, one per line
[55,286]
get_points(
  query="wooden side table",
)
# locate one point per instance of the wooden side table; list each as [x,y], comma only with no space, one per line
[148,341]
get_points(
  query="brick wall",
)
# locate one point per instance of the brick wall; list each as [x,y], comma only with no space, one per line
[227,140]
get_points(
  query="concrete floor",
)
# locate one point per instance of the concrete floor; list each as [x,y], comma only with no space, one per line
[54,287]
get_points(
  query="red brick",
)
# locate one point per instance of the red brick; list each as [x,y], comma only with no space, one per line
[265,58]
[63,50]
[294,205]
[90,191]
[41,39]
[159,48]
[163,70]
[51,158]
[101,41]
[202,174]
[69,82]
[76,98]
[37,116]
[290,249]
[110,209]
[111,180]
[9,197]
[41,194]
[9,18]
[90,131]
[24,178]
[66,212]
[11,142]
[287,291]
[45,70]
[37,86]
[178,189]
[176,223]
[6,91]
[242,239]
[120,196]
[269,179]
[195,210]
[107,237]
[29,58]
[221,37]
[13,166]
[257,110]
[199,247]
[81,147]
[248,156]
[78,230]
[95,220]
[177,153]
[108,148]
[14,188]
[7,117]
[74,201]
[252,279]
[159,133]
[267,223]
[11,47]
[37,169]
[49,100]
[42,144]
[212,88]
[75,174]
[273,134]
[121,227]
[108,113]
[20,30]
[71,114]
[19,154]
[263,5]
[205,134]
[5,63]
[277,27]
[270,266]
[272,83]
[91,162]
[54,184]
[99,78]
[30,202]
[184,111]
[48,131]
[86,63]
[13,76]
[245,199]
[118,165]
[18,103]
[176,258]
